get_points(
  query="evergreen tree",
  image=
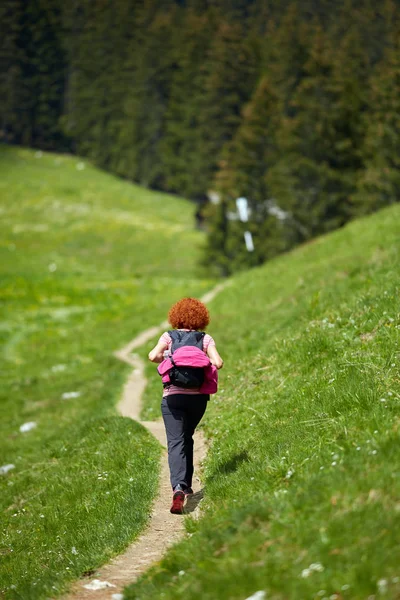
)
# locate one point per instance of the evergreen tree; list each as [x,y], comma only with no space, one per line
[149,66]
[33,71]
[98,41]
[180,144]
[248,156]
[319,140]
[231,74]
[379,180]
[243,168]
[11,85]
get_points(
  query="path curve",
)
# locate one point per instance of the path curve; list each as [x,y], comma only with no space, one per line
[164,529]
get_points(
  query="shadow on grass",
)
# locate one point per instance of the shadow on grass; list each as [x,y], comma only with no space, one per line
[233,463]
[193,501]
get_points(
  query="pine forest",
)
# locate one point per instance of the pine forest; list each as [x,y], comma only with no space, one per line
[292,104]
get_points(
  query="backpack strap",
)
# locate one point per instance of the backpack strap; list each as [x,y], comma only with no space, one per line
[186,338]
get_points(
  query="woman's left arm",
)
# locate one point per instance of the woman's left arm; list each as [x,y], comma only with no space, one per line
[157,354]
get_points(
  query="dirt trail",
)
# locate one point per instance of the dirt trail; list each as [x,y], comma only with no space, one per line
[164,529]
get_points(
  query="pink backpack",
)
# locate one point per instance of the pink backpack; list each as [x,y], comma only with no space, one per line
[182,366]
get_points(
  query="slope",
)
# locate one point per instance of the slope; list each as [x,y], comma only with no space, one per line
[301,479]
[87,262]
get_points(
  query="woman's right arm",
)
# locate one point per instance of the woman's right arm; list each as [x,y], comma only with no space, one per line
[214,357]
[157,354]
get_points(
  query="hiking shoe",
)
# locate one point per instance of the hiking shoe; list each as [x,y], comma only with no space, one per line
[178,500]
[188,491]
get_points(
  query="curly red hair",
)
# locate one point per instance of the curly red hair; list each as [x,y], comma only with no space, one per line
[189,313]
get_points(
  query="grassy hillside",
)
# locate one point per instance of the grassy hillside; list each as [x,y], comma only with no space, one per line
[301,483]
[87,261]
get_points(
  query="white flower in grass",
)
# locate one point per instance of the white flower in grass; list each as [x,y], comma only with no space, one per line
[260,595]
[383,399]
[57,368]
[382,586]
[52,267]
[68,395]
[5,468]
[334,463]
[74,550]
[314,567]
[289,474]
[181,573]
[27,426]
[306,573]
[80,166]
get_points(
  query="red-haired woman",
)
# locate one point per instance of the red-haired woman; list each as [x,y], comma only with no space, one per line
[183,408]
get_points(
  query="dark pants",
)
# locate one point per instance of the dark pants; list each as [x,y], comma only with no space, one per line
[182,413]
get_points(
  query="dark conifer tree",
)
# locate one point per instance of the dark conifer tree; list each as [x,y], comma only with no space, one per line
[319,139]
[180,144]
[243,169]
[379,181]
[149,68]
[33,72]
[231,74]
[11,58]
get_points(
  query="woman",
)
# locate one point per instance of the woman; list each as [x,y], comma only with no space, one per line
[183,408]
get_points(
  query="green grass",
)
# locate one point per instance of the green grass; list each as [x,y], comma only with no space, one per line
[305,453]
[87,261]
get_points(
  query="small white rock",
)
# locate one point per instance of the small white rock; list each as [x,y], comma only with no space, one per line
[5,468]
[96,584]
[27,426]
[260,595]
[68,395]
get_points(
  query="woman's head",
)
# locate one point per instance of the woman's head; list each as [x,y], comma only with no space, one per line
[189,313]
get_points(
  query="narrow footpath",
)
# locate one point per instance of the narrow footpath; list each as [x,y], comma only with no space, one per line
[164,529]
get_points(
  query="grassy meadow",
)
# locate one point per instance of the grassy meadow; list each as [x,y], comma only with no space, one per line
[87,261]
[302,478]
